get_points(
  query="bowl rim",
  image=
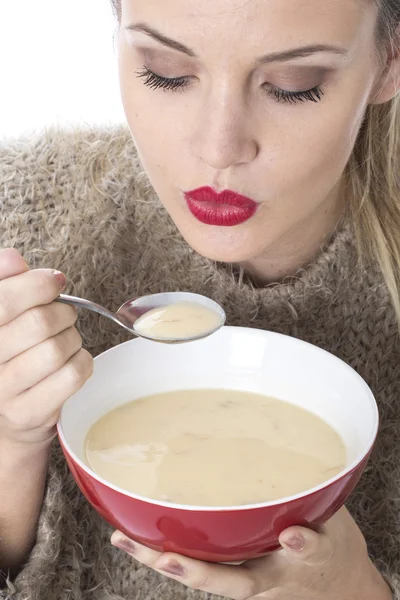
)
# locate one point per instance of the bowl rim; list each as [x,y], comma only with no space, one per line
[243,507]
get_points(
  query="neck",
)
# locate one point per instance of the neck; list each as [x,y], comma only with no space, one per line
[299,246]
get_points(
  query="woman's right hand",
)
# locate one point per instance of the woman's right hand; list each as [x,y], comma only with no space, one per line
[42,362]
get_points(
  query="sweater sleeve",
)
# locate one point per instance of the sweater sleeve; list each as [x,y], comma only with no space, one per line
[58,564]
[57,208]
[29,187]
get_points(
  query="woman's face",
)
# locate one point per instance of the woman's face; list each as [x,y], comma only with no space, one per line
[261,97]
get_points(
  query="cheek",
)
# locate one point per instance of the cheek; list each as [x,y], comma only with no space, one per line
[314,158]
[154,122]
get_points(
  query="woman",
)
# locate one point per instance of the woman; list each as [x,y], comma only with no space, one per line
[291,106]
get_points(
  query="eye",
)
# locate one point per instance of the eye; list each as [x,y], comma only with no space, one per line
[155,82]
[313,95]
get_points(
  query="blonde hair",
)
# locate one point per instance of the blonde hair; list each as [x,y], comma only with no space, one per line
[374,193]
[373,172]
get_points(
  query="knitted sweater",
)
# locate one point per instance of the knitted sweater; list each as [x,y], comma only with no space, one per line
[79,202]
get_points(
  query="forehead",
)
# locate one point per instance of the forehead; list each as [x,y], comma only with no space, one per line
[251,23]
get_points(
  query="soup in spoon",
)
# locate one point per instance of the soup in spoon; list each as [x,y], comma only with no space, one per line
[178,321]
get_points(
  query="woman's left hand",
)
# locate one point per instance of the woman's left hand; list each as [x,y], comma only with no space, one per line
[332,564]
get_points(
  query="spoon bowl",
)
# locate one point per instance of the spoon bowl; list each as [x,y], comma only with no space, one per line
[130,312]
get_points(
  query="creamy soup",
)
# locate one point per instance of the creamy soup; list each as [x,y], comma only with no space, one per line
[178,321]
[214,447]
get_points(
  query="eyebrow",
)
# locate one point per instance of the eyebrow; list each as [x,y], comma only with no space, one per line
[287,55]
[166,41]
[302,52]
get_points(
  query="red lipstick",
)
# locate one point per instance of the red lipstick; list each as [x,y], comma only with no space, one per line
[223,209]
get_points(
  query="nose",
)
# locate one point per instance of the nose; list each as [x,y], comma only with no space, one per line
[223,137]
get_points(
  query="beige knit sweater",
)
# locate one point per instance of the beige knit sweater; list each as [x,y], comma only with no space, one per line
[79,202]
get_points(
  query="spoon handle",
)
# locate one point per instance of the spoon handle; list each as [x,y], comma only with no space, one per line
[82,303]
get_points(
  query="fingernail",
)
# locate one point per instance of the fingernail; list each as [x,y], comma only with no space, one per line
[60,278]
[296,542]
[123,543]
[173,568]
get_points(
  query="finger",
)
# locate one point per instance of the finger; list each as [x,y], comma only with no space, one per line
[33,327]
[147,555]
[22,292]
[310,547]
[29,368]
[222,580]
[38,408]
[11,263]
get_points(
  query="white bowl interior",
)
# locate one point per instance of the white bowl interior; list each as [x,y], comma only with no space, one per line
[233,358]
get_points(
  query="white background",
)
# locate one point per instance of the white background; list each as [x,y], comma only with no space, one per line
[57,64]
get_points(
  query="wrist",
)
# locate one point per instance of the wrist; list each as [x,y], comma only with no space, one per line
[21,439]
[374,586]
[16,453]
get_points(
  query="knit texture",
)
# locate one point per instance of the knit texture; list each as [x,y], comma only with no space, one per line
[79,202]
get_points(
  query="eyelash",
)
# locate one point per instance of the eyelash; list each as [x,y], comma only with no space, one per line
[155,82]
[175,84]
[313,95]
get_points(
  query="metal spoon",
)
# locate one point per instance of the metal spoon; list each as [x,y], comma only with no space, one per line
[131,310]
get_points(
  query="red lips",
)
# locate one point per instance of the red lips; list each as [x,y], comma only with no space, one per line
[224,209]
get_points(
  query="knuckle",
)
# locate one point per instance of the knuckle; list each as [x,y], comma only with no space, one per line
[278,593]
[39,321]
[7,304]
[62,346]
[55,351]
[71,313]
[201,581]
[9,374]
[73,376]
[77,335]
[74,339]
[64,314]
[78,370]
[250,590]
[88,364]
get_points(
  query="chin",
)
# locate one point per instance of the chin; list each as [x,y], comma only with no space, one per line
[221,249]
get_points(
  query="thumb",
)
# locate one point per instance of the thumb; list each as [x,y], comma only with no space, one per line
[305,545]
[11,263]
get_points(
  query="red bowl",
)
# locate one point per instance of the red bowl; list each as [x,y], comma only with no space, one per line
[235,358]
